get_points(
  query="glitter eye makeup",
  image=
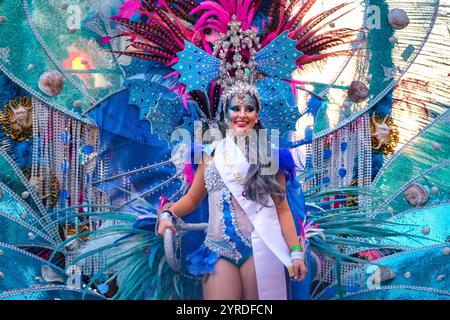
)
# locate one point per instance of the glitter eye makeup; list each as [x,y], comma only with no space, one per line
[238,108]
[234,108]
[250,108]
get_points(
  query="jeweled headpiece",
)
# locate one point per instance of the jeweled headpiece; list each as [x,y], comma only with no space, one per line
[237,63]
[237,49]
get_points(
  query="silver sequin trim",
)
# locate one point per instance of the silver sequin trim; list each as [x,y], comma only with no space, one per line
[213,180]
[225,252]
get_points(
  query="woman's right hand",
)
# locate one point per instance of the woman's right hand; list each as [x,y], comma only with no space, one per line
[165,224]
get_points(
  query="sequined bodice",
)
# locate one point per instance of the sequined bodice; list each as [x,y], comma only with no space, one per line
[213,180]
[229,228]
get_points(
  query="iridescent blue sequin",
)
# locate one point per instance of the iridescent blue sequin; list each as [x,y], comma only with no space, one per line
[65,166]
[87,149]
[65,137]
[278,58]
[342,172]
[197,67]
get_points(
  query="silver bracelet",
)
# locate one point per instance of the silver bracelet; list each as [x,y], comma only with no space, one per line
[297,254]
[166,215]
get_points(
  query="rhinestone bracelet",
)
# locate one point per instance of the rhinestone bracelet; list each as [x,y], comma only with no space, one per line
[297,255]
[166,215]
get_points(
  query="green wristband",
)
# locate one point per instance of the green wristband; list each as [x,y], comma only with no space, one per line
[295,248]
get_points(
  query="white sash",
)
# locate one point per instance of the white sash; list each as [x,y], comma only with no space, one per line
[270,251]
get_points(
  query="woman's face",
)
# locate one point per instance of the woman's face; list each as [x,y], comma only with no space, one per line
[242,114]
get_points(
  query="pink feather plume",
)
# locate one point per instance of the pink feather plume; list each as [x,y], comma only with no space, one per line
[129,8]
[188,174]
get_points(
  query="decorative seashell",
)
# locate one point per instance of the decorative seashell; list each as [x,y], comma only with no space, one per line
[2,275]
[50,275]
[3,19]
[393,40]
[440,277]
[407,275]
[426,230]
[384,134]
[398,19]
[416,195]
[64,6]
[25,194]
[358,91]
[77,103]
[30,67]
[382,274]
[446,251]
[30,235]
[386,274]
[436,146]
[390,210]
[434,190]
[51,83]
[346,104]
[72,30]
[16,118]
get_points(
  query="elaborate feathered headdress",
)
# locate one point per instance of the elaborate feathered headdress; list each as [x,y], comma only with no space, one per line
[225,47]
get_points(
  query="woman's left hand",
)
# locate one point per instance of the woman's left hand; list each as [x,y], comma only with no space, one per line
[300,269]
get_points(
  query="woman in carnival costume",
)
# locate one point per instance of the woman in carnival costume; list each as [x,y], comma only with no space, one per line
[251,233]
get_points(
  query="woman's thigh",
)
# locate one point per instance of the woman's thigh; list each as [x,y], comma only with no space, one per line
[248,280]
[224,284]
